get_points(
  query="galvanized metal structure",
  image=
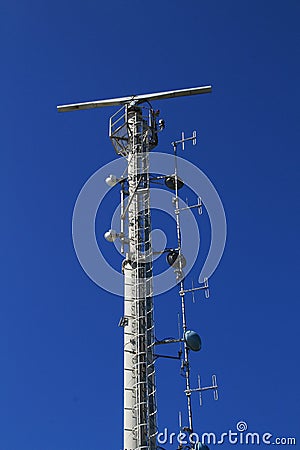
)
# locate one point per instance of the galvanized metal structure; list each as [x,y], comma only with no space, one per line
[134,133]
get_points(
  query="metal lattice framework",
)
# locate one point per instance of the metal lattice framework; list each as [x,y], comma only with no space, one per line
[139,371]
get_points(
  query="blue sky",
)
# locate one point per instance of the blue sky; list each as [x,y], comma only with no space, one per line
[60,347]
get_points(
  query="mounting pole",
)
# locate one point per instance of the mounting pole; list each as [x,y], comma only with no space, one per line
[186,363]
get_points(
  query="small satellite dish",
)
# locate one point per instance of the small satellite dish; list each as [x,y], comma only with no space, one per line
[112,180]
[111,235]
[174,260]
[170,182]
[193,340]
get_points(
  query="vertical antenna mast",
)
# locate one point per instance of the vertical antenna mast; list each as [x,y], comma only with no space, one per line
[134,133]
[191,340]
[185,363]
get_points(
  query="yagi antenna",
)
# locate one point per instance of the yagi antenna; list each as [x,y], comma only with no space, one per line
[135,99]
[200,389]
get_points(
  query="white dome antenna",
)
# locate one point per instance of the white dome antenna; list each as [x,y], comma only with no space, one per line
[112,180]
[111,235]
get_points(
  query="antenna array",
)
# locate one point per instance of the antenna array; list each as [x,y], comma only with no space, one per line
[133,131]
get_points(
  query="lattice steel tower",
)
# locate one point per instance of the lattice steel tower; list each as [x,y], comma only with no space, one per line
[134,133]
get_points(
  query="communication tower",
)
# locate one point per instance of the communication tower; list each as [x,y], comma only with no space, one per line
[133,131]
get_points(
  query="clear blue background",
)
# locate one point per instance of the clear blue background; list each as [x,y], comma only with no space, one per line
[60,347]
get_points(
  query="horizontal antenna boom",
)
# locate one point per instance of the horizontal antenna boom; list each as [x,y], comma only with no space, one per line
[135,99]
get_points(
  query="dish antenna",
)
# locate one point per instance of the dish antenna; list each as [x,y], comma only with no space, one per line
[134,131]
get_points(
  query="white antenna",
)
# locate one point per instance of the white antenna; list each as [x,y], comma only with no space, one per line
[200,389]
[184,139]
[133,131]
[135,99]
